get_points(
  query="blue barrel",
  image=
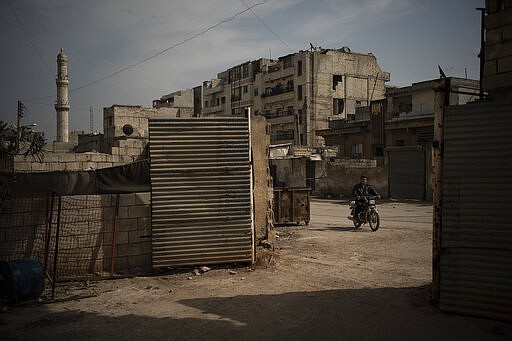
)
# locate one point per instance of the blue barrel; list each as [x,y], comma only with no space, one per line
[20,279]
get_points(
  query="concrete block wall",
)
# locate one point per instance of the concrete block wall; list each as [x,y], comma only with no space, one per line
[69,162]
[86,233]
[497,78]
[85,246]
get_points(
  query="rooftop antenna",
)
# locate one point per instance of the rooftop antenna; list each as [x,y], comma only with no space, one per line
[91,119]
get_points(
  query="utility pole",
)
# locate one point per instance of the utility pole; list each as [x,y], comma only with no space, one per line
[481,55]
[18,125]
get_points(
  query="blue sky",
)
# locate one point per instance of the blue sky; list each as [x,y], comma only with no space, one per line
[408,37]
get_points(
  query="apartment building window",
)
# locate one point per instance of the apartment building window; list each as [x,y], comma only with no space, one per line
[245,89]
[287,62]
[235,94]
[289,110]
[338,105]
[299,112]
[289,85]
[357,150]
[206,104]
[299,92]
[218,101]
[256,92]
[302,140]
[285,134]
[223,100]
[299,68]
[245,70]
[335,80]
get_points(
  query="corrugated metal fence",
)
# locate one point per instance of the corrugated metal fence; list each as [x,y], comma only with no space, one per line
[201,191]
[476,234]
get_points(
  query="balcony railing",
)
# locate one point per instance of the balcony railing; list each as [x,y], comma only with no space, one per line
[279,113]
[216,108]
[277,91]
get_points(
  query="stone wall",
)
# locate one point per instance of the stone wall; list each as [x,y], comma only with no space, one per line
[497,78]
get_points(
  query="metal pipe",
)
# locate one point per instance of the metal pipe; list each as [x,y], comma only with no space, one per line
[442,97]
[114,236]
[54,278]
[48,231]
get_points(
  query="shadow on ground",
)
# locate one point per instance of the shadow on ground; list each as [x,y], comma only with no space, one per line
[364,314]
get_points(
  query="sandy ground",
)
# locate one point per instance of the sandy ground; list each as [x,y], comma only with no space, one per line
[326,281]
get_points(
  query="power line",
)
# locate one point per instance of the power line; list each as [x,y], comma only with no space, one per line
[268,28]
[233,17]
[28,37]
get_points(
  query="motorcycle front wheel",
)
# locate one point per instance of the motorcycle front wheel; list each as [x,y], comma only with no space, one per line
[374,221]
[357,223]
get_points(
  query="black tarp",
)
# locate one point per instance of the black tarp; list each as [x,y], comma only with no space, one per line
[130,178]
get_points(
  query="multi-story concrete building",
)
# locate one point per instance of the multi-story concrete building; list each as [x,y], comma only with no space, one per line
[298,93]
[185,101]
[404,118]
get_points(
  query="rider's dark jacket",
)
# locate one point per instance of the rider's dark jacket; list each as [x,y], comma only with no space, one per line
[363,190]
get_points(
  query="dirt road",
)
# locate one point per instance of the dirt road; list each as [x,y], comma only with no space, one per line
[327,281]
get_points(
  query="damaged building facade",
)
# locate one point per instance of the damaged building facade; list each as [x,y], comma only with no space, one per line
[298,93]
[397,134]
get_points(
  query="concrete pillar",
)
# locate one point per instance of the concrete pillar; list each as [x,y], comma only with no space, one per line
[62,103]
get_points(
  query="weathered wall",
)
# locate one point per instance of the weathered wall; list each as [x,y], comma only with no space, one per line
[337,180]
[423,101]
[290,172]
[497,79]
[69,162]
[262,190]
[117,142]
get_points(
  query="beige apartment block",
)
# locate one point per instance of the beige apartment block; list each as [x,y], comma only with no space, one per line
[298,93]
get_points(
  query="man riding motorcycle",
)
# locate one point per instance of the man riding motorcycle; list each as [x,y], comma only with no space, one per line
[361,192]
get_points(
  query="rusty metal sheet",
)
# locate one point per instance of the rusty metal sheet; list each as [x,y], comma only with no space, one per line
[200,191]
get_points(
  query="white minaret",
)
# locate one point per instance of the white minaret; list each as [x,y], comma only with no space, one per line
[62,103]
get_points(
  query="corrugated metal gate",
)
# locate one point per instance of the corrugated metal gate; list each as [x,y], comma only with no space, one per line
[201,191]
[476,229]
[406,172]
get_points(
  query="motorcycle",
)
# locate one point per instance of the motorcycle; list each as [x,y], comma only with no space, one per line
[368,213]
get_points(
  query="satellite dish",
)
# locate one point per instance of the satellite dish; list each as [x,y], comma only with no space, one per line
[345,49]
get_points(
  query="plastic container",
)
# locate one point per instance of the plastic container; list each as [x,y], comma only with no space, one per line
[20,279]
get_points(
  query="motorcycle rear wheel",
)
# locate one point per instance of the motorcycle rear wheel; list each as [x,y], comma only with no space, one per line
[374,221]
